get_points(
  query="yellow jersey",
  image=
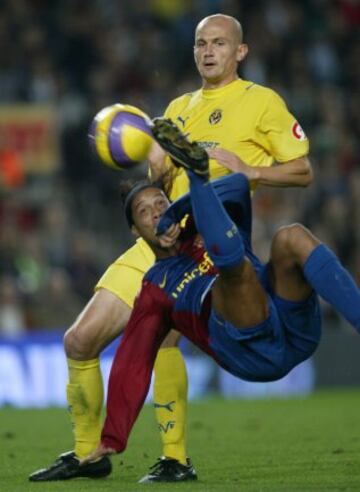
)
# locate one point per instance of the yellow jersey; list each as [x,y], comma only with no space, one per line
[242,117]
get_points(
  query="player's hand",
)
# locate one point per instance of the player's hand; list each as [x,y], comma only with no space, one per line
[233,162]
[99,452]
[156,160]
[170,237]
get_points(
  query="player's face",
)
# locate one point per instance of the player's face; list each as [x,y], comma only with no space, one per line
[217,52]
[147,208]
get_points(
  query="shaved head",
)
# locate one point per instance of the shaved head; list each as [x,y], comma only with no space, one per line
[218,50]
[231,24]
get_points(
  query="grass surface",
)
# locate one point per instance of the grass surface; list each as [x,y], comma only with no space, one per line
[273,445]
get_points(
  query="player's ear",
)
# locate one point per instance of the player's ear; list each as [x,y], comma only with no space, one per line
[242,51]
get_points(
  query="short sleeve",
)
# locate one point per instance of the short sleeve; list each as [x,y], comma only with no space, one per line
[285,138]
[168,113]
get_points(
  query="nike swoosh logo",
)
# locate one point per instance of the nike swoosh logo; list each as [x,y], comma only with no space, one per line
[163,282]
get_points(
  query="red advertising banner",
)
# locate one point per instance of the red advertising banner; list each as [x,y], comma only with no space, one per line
[31,132]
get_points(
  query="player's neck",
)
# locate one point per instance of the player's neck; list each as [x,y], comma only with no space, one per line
[217,84]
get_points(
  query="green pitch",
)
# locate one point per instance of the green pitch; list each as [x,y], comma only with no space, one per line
[310,444]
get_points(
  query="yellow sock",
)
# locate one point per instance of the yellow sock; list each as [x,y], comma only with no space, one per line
[85,395]
[170,401]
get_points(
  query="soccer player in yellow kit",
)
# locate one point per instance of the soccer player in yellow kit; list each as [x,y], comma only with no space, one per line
[244,127]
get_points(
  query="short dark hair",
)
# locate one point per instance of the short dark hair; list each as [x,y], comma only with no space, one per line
[133,191]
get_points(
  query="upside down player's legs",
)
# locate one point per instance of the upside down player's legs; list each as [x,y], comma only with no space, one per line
[222,239]
[321,270]
[290,247]
[237,285]
[333,283]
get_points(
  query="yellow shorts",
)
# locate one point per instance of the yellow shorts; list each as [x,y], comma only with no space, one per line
[123,277]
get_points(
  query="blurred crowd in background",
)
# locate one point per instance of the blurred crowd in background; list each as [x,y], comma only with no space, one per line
[59,229]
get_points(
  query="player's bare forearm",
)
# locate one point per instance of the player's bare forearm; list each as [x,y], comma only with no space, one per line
[292,173]
[297,172]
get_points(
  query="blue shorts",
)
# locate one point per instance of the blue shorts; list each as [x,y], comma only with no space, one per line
[268,351]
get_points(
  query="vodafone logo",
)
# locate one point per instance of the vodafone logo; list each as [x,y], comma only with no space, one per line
[298,132]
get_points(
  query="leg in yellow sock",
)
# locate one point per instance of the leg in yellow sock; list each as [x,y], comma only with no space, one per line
[170,401]
[85,398]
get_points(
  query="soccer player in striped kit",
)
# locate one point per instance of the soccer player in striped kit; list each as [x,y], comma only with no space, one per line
[257,320]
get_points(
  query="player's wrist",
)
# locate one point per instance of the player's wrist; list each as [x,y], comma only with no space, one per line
[254,174]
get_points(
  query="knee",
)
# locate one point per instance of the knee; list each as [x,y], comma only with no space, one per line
[287,236]
[294,241]
[79,344]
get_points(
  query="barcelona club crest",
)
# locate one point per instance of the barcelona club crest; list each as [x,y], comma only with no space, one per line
[215,117]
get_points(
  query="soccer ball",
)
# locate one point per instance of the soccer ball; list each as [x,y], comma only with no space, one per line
[121,136]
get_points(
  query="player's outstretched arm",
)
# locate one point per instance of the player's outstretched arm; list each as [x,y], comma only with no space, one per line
[297,172]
